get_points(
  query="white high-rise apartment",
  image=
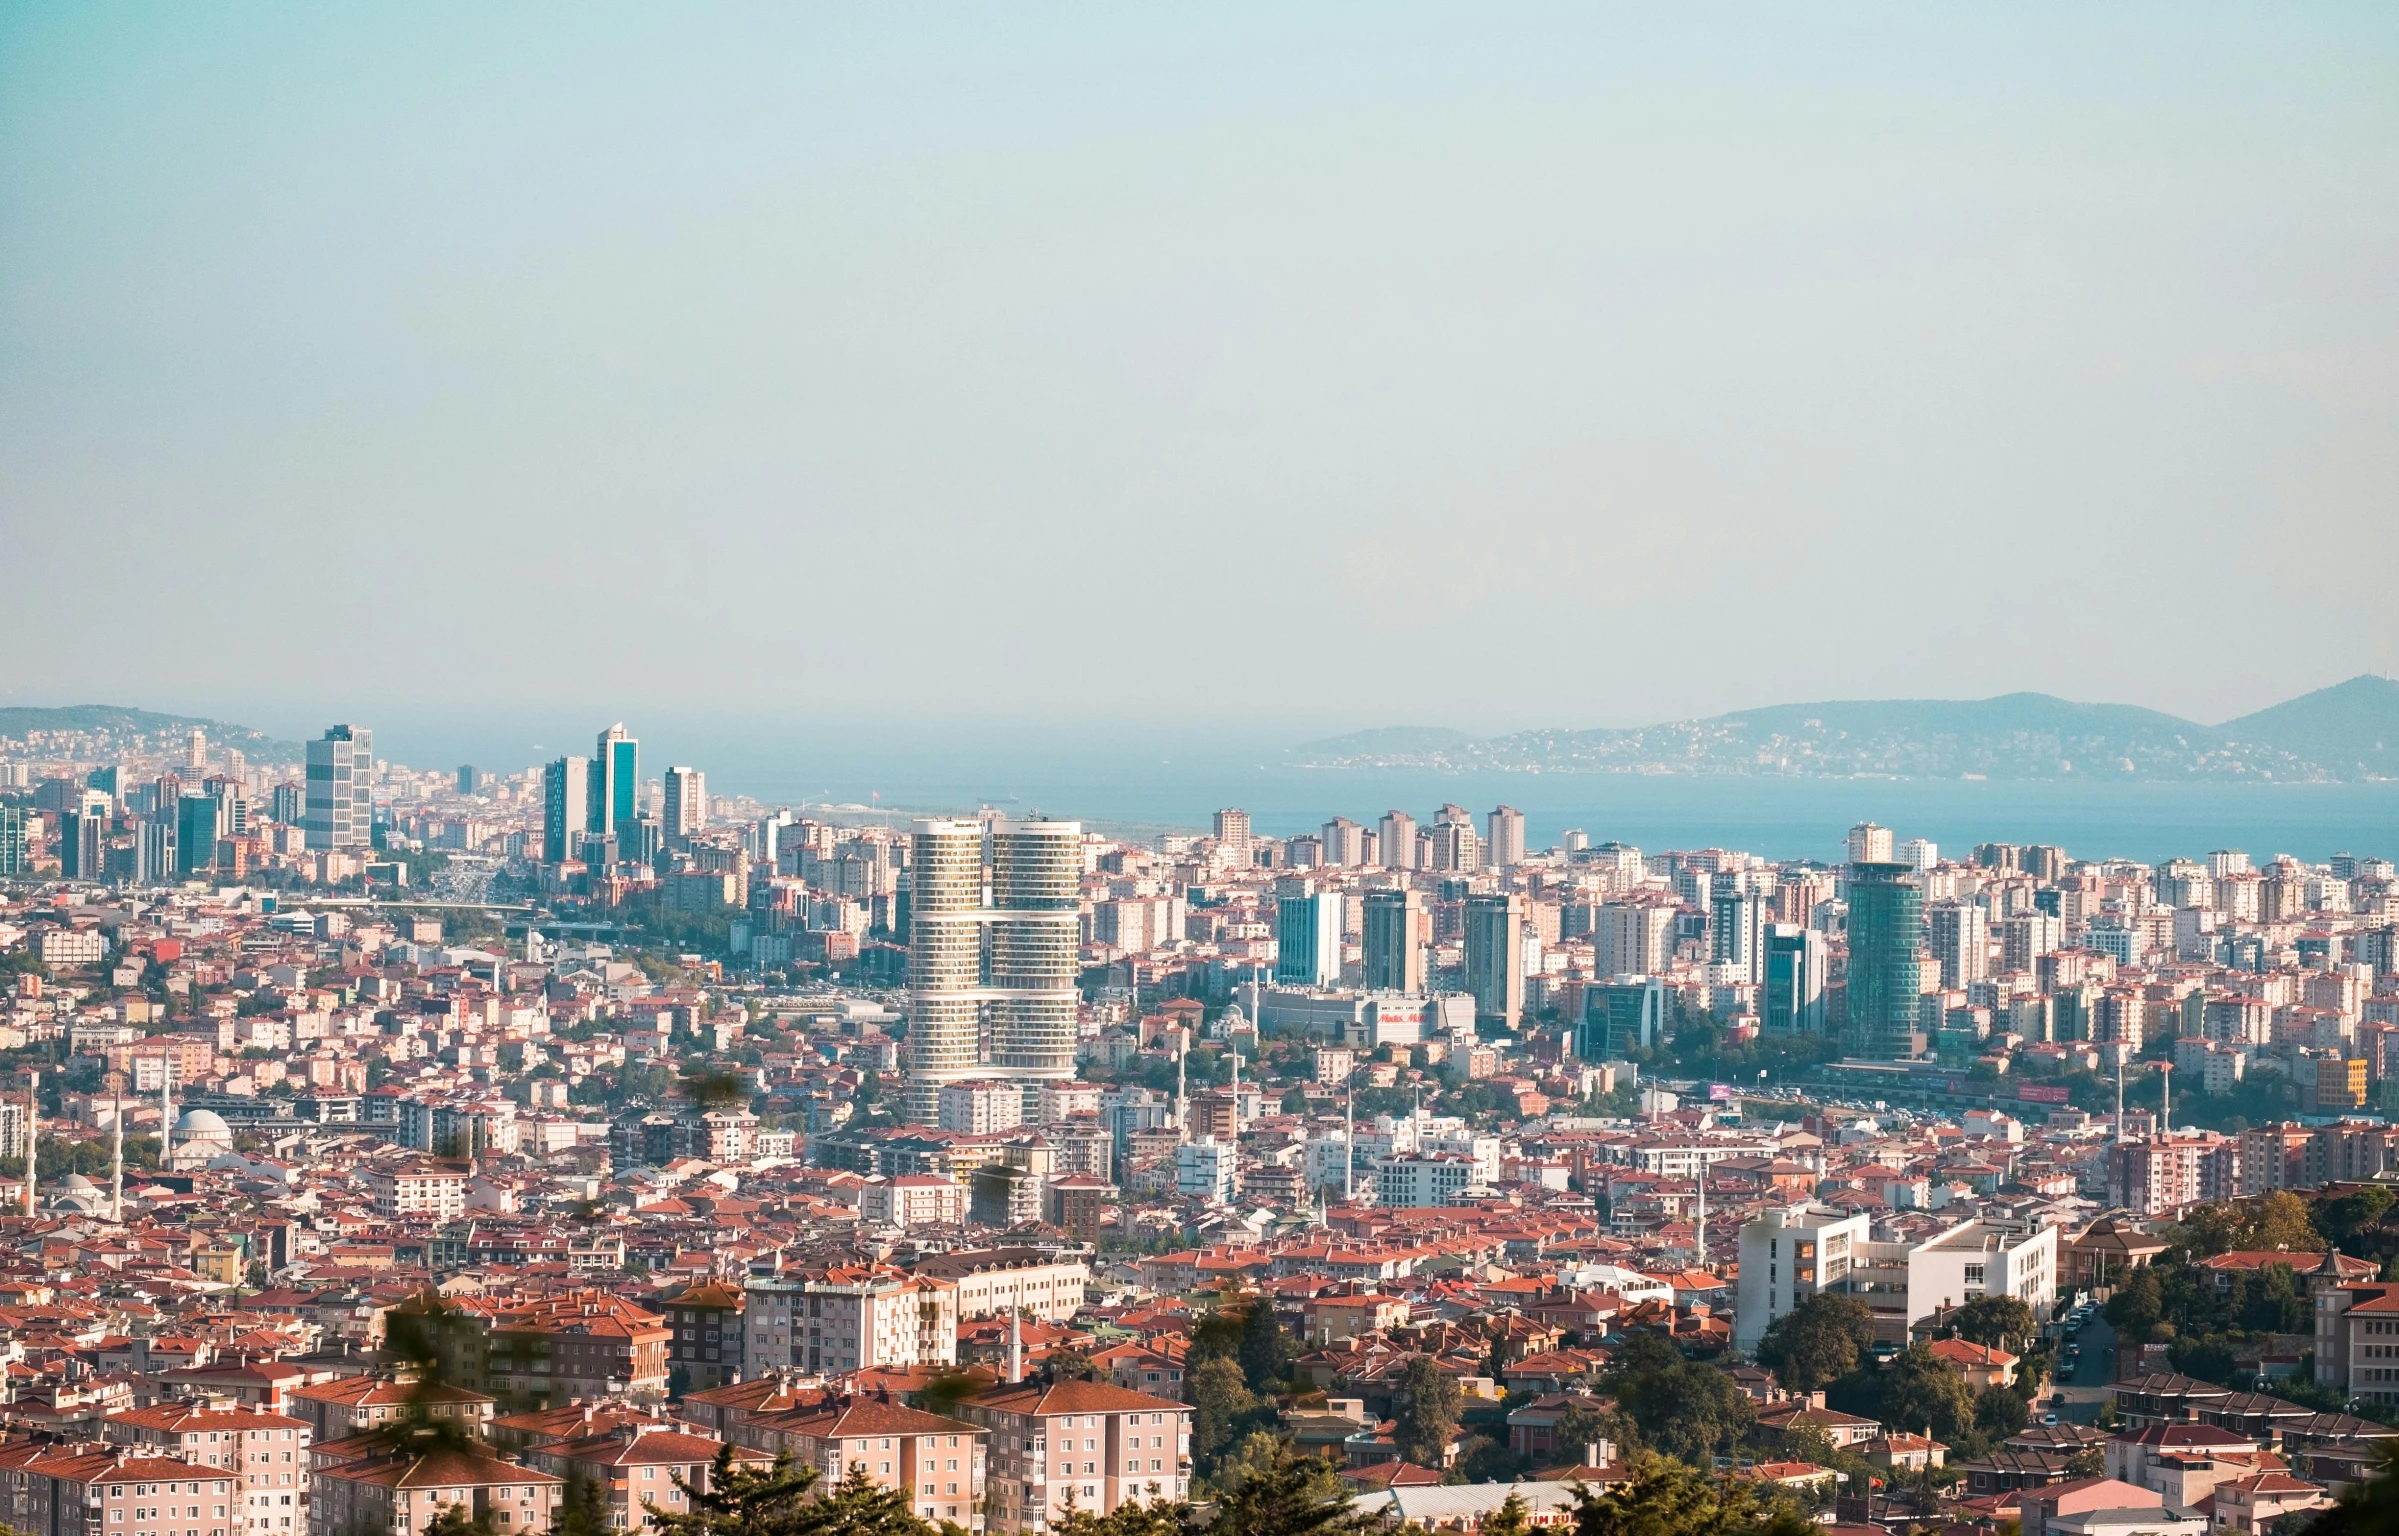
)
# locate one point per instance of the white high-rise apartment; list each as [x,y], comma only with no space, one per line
[1630,938]
[994,922]
[1503,848]
[340,809]
[687,806]
[1396,837]
[1961,942]
[1869,844]
[1344,843]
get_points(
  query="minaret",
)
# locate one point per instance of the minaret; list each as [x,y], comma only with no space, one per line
[33,1133]
[1016,1344]
[166,1108]
[116,1183]
[1182,1083]
[2165,1105]
[1349,1146]
[2119,1092]
[1703,1211]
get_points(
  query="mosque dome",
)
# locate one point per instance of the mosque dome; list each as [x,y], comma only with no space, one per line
[77,1184]
[203,1124]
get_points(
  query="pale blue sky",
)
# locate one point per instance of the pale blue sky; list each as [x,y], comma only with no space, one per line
[1489,366]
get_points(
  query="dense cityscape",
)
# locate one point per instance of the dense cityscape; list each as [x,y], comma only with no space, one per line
[391,1148]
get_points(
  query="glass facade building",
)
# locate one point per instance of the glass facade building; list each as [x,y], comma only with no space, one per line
[1886,961]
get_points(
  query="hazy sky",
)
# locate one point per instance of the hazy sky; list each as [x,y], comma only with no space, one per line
[1485,366]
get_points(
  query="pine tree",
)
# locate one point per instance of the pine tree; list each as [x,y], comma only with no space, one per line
[740,1500]
[1428,1421]
[860,1506]
[1287,1498]
[1510,1519]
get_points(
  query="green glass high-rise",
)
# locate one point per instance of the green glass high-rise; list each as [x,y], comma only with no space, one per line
[615,780]
[1886,961]
[1619,1015]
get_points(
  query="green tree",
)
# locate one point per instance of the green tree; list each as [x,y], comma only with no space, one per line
[860,1506]
[2274,1304]
[1288,1497]
[1256,1453]
[1219,1397]
[1923,1391]
[1684,1409]
[1510,1519]
[738,1499]
[1999,1413]
[1218,1335]
[1427,1416]
[1818,1341]
[2135,1307]
[2002,1322]
[1159,1517]
[2281,1222]
[2087,1462]
[1267,1349]
[1666,1498]
[2345,1219]
[583,1511]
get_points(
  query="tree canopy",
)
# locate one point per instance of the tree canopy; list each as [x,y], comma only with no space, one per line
[1427,1418]
[1667,1498]
[1817,1342]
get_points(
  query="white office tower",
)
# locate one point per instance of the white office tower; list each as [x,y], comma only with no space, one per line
[1869,844]
[340,809]
[687,805]
[994,921]
[1307,934]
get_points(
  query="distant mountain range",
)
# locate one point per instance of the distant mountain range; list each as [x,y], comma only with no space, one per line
[131,726]
[2344,734]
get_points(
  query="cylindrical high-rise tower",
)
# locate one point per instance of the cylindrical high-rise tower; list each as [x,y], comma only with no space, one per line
[1036,925]
[946,916]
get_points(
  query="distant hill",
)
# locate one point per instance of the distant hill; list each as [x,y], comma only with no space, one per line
[1382,740]
[139,724]
[2344,733]
[2351,728]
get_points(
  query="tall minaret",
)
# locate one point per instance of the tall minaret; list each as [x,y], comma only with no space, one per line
[1703,1211]
[1182,1083]
[166,1109]
[116,1183]
[33,1133]
[1349,1146]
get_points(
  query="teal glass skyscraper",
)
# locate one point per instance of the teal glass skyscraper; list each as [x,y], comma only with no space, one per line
[1886,961]
[615,780]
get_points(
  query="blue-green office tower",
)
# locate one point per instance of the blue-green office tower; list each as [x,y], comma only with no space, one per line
[615,780]
[1886,961]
